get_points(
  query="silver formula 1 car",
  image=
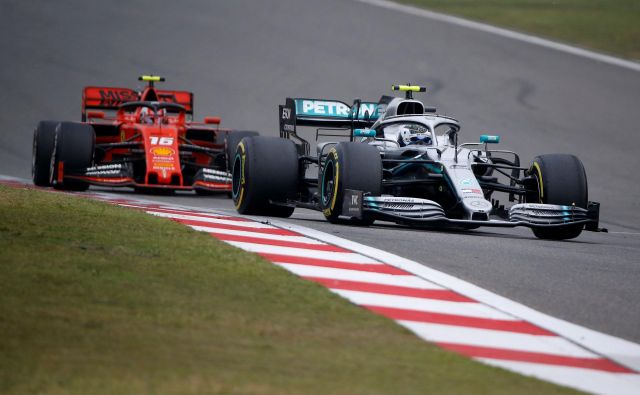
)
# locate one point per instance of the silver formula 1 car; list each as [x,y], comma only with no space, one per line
[403,163]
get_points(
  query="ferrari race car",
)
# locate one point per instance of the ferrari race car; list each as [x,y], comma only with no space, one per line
[148,141]
[403,163]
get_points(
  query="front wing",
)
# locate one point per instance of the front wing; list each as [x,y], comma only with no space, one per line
[423,212]
[121,175]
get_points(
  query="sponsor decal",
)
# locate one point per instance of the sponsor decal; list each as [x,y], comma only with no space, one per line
[480,203]
[400,206]
[324,108]
[160,166]
[114,169]
[352,204]
[115,97]
[327,108]
[208,177]
[96,173]
[287,113]
[370,109]
[157,140]
[466,182]
[472,191]
[106,167]
[385,199]
[162,151]
[168,159]
[216,172]
[167,97]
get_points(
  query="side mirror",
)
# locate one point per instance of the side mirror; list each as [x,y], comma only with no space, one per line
[95,114]
[212,120]
[364,133]
[489,139]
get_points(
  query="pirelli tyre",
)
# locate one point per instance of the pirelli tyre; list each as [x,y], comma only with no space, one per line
[265,170]
[73,146]
[354,166]
[562,180]
[231,143]
[43,138]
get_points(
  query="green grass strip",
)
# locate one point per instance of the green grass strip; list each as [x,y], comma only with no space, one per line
[609,26]
[99,299]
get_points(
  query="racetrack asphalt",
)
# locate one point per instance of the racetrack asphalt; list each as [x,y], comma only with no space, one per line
[242,58]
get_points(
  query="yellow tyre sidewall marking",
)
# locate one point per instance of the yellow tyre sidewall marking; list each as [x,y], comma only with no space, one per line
[536,166]
[336,175]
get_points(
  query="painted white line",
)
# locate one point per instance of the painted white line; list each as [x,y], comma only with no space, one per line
[266,236]
[622,351]
[347,257]
[354,275]
[584,379]
[244,224]
[496,339]
[466,309]
[419,12]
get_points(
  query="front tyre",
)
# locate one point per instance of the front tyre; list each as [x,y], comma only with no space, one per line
[354,166]
[73,145]
[561,180]
[43,138]
[265,170]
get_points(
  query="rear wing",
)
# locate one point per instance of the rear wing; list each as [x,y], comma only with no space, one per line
[110,98]
[327,113]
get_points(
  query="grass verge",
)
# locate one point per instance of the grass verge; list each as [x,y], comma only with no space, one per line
[98,299]
[609,26]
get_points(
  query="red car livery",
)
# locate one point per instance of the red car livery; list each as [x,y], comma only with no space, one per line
[148,140]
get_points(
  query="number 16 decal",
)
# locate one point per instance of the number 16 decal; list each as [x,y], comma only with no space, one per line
[155,140]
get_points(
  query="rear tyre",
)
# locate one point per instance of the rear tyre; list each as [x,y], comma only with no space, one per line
[231,144]
[73,145]
[561,180]
[43,138]
[264,169]
[353,166]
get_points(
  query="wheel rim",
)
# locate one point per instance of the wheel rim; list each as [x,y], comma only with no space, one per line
[236,180]
[328,183]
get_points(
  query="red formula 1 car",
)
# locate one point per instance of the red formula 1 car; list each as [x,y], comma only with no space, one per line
[148,141]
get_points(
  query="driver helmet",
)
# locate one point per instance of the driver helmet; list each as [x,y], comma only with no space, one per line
[414,135]
[146,115]
[161,114]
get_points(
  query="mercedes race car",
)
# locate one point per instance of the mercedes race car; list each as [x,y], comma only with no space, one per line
[403,163]
[148,141]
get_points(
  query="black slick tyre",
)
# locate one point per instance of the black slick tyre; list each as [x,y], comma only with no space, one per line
[43,138]
[561,180]
[265,170]
[355,166]
[73,145]
[231,144]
